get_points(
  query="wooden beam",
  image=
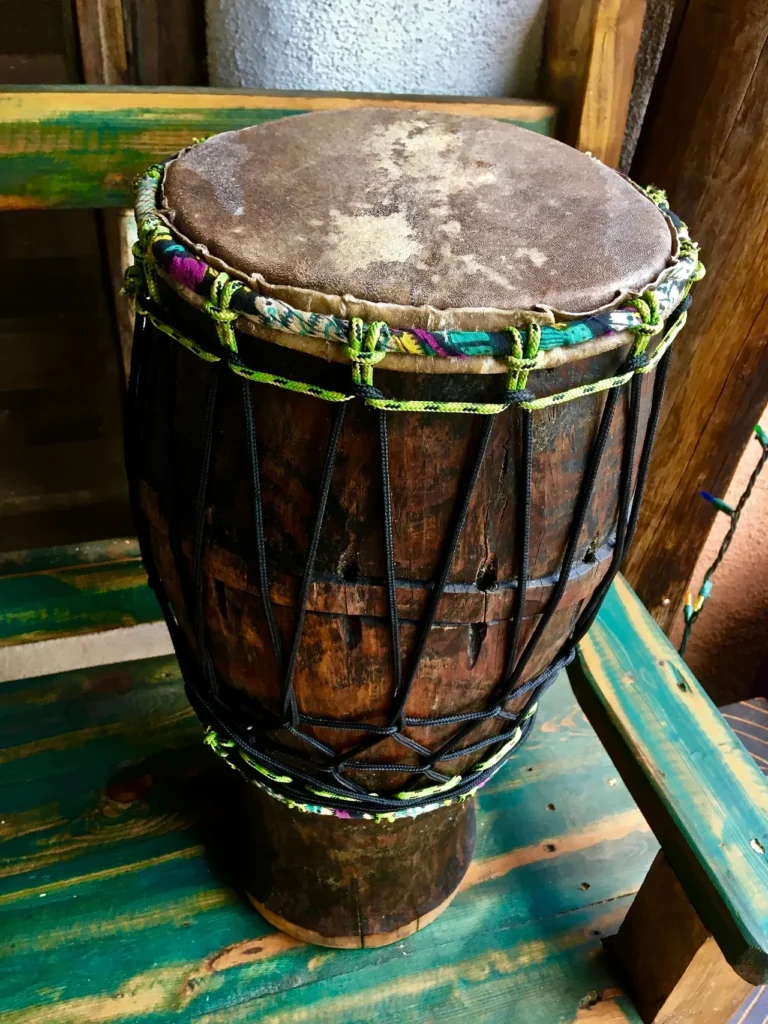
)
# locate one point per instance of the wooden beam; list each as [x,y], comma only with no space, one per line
[84,147]
[698,788]
[672,966]
[707,144]
[103,50]
[590,57]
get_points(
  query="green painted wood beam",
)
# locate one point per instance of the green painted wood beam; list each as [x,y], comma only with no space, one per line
[699,789]
[84,146]
[82,588]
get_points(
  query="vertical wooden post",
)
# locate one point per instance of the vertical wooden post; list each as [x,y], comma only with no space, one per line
[706,142]
[672,965]
[136,42]
[103,49]
[104,58]
[589,68]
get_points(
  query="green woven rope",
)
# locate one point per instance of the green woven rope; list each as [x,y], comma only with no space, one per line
[367,344]
[230,751]
[364,355]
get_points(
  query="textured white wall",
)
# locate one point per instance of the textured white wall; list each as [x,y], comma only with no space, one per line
[460,47]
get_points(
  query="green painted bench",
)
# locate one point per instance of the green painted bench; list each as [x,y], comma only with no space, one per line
[118,895]
[118,900]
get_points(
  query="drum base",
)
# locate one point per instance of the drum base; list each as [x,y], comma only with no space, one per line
[353,883]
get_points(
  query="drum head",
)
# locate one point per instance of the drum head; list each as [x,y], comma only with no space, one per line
[416,210]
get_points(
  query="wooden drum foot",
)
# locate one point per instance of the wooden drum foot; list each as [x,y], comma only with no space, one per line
[351,883]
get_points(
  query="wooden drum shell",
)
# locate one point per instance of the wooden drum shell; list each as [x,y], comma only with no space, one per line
[345,662]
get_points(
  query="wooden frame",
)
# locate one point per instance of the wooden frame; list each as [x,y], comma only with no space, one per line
[706,801]
[591,48]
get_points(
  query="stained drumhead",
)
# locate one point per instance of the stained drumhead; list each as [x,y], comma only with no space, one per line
[417,209]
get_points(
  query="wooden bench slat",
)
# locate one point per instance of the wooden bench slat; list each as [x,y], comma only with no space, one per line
[79,588]
[698,787]
[83,146]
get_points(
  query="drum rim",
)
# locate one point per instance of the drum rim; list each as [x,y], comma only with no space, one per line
[565,337]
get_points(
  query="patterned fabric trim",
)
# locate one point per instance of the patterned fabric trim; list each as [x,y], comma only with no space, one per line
[187,270]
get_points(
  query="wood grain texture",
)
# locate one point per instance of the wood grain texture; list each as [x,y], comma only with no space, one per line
[120,900]
[103,50]
[75,148]
[610,71]
[698,787]
[344,664]
[707,144]
[166,42]
[589,68]
[672,965]
[74,590]
[61,477]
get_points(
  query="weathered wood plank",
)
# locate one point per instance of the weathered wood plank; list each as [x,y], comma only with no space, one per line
[669,961]
[702,793]
[75,589]
[118,899]
[589,67]
[706,142]
[84,147]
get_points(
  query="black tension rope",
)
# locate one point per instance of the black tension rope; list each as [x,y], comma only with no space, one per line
[321,767]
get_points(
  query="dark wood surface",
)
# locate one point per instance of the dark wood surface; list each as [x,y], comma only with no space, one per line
[61,474]
[352,884]
[706,142]
[669,961]
[344,667]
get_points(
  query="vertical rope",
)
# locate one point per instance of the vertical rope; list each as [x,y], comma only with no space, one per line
[209,418]
[258,523]
[288,696]
[580,515]
[524,526]
[389,558]
[438,588]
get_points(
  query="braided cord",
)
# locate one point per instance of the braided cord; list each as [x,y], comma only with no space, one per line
[364,355]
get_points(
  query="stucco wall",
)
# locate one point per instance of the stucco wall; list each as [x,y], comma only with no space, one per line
[461,47]
[728,650]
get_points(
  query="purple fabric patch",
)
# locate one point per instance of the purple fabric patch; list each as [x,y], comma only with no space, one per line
[431,341]
[187,271]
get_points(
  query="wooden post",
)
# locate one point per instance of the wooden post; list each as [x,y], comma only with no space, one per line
[589,68]
[136,42]
[103,50]
[672,966]
[706,143]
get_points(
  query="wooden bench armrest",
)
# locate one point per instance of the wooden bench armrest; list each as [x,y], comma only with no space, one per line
[699,789]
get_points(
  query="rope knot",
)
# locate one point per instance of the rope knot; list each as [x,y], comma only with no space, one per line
[221,316]
[367,346]
[366,391]
[217,307]
[650,321]
[633,363]
[518,397]
[523,358]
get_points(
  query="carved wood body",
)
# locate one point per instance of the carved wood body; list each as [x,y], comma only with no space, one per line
[345,659]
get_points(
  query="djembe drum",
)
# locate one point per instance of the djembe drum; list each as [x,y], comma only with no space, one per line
[395,382]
